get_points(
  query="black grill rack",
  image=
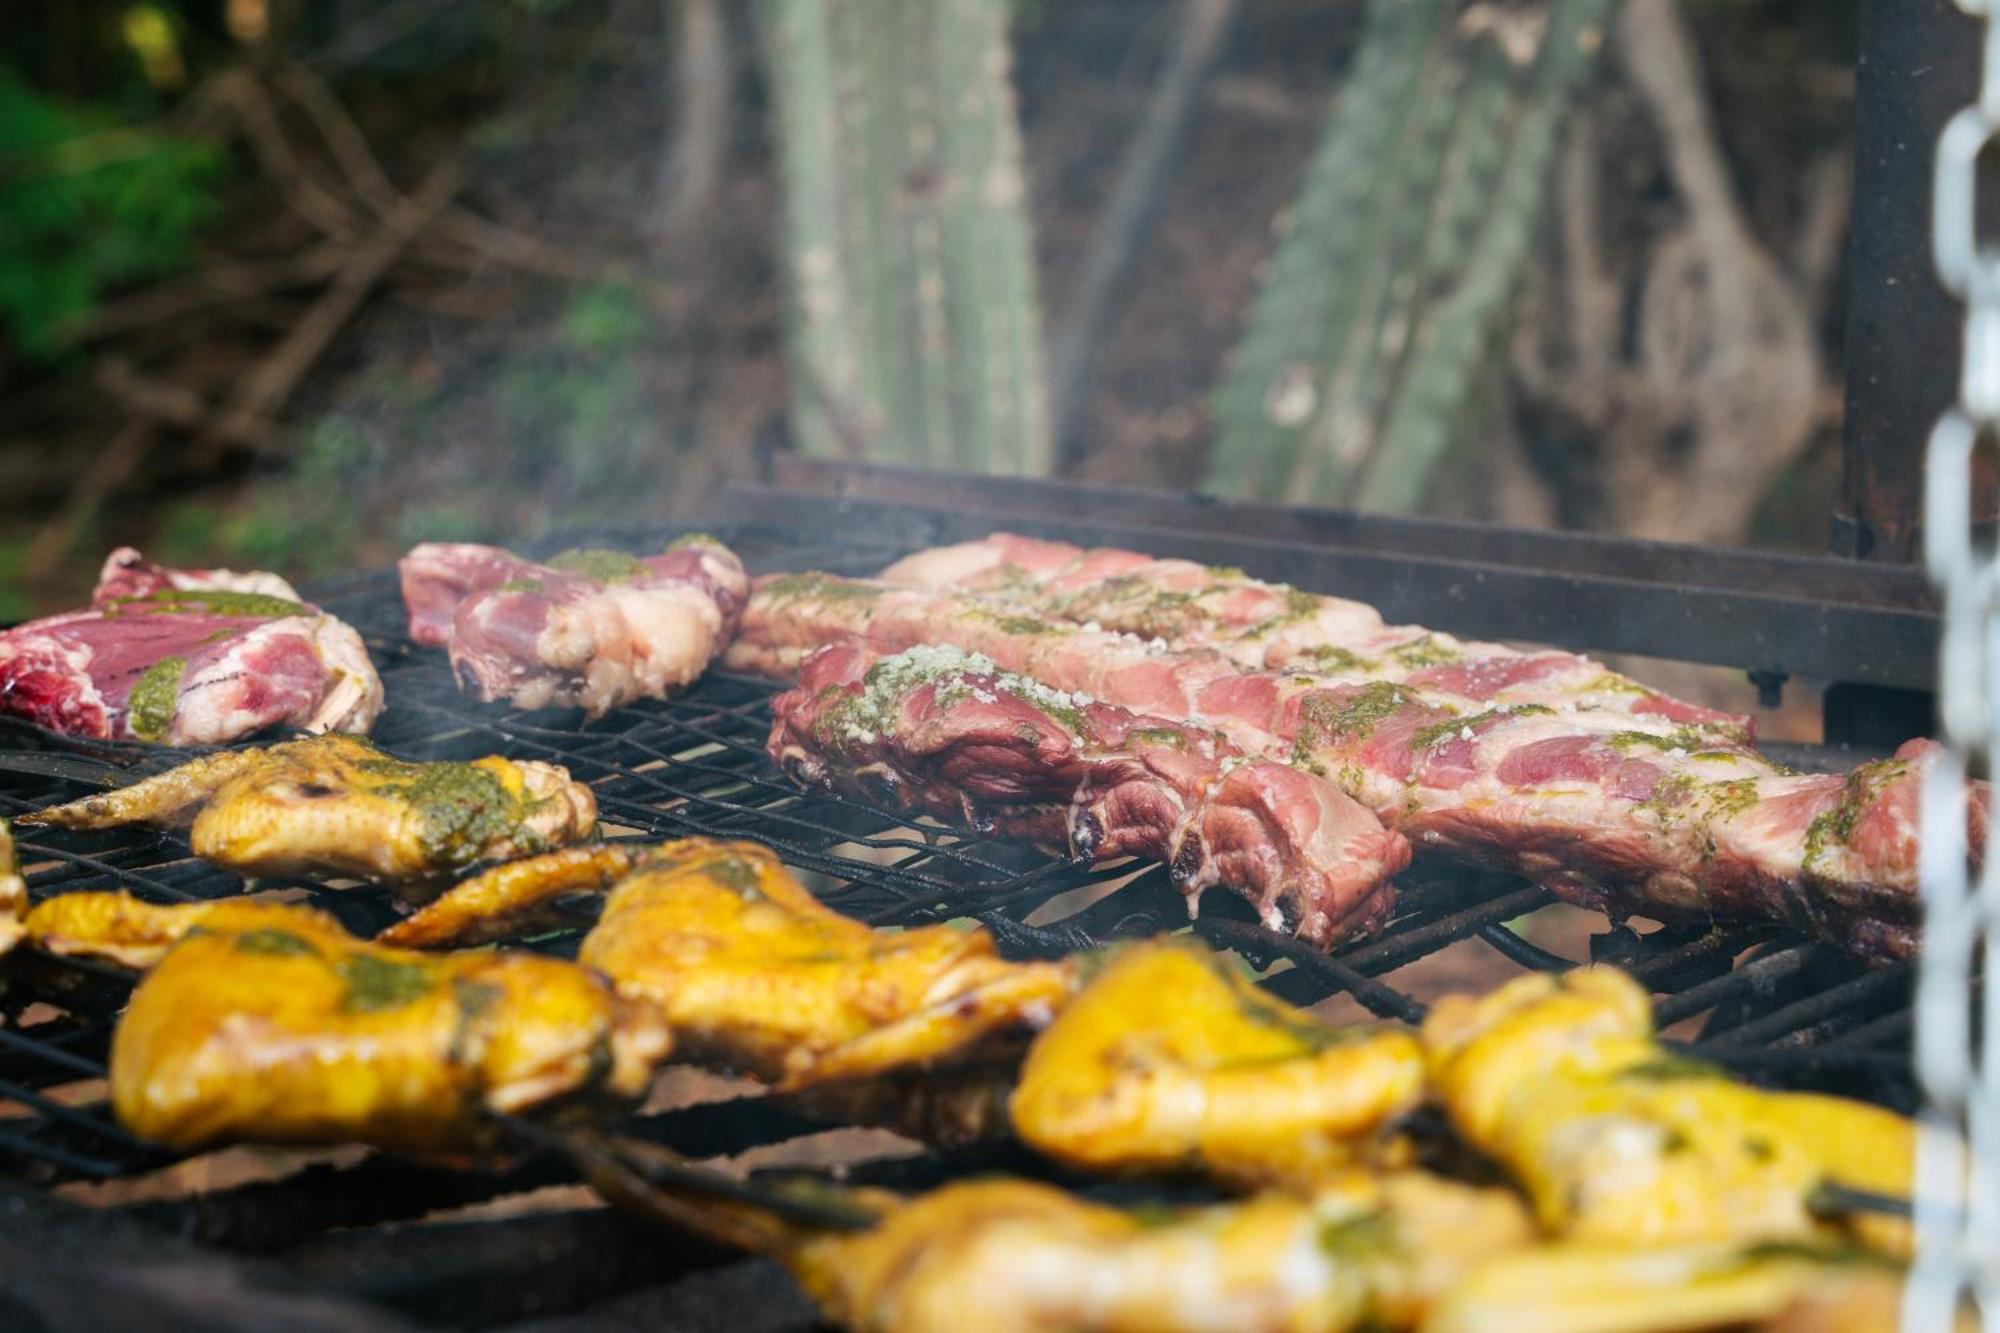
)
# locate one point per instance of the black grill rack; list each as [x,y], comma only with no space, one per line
[1773,1006]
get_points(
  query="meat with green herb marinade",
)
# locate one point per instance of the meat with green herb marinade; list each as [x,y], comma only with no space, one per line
[1259,624]
[950,734]
[1638,814]
[268,1022]
[1006,1255]
[188,657]
[752,971]
[338,805]
[591,629]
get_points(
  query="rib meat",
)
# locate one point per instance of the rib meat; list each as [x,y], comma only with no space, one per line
[188,657]
[591,629]
[1633,813]
[951,734]
[1259,624]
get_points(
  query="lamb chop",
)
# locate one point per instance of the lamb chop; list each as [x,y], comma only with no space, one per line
[1259,624]
[950,734]
[590,628]
[187,657]
[1632,813]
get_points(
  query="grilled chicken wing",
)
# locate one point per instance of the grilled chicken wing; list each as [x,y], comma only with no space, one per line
[13,892]
[1166,1058]
[1600,1289]
[1619,1141]
[118,928]
[290,1030]
[337,805]
[1003,1255]
[1391,1250]
[751,969]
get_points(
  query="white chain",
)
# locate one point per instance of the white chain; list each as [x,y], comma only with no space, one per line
[1958,1145]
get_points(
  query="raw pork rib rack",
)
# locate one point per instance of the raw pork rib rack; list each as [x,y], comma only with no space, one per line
[1767,1002]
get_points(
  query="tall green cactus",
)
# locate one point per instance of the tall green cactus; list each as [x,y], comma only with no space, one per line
[1418,216]
[913,330]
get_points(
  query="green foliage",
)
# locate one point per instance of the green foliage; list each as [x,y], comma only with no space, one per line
[86,205]
[579,410]
[304,523]
[604,318]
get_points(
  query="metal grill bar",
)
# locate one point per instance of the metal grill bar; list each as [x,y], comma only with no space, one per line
[695,764]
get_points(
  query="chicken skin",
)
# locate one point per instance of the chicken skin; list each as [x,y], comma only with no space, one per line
[751,970]
[13,893]
[1167,1058]
[1001,1255]
[336,805]
[1619,1141]
[118,928]
[1571,1288]
[290,1030]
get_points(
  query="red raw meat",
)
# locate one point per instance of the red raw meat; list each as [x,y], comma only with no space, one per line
[949,734]
[1259,624]
[210,655]
[1629,811]
[590,629]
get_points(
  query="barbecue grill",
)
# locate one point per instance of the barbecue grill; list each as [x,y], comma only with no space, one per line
[345,1243]
[1778,1009]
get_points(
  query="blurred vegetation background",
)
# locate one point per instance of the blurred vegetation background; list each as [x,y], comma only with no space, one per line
[294,283]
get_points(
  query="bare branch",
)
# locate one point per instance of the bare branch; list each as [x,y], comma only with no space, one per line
[267,387]
[1121,234]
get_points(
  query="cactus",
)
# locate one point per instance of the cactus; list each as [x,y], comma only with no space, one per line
[913,331]
[1417,218]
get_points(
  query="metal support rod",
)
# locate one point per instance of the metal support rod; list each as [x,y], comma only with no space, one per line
[1918,65]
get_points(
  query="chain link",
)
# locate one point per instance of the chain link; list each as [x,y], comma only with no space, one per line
[1958,1141]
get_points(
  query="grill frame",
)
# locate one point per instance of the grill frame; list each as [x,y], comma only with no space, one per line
[1775,1008]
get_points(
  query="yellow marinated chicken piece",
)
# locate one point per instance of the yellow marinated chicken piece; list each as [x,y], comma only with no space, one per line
[293,1031]
[13,893]
[336,805]
[1001,1255]
[753,971]
[1167,1058]
[1619,1141]
[118,928]
[1574,1288]
[509,899]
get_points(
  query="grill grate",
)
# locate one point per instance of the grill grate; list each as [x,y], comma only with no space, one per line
[1768,1004]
